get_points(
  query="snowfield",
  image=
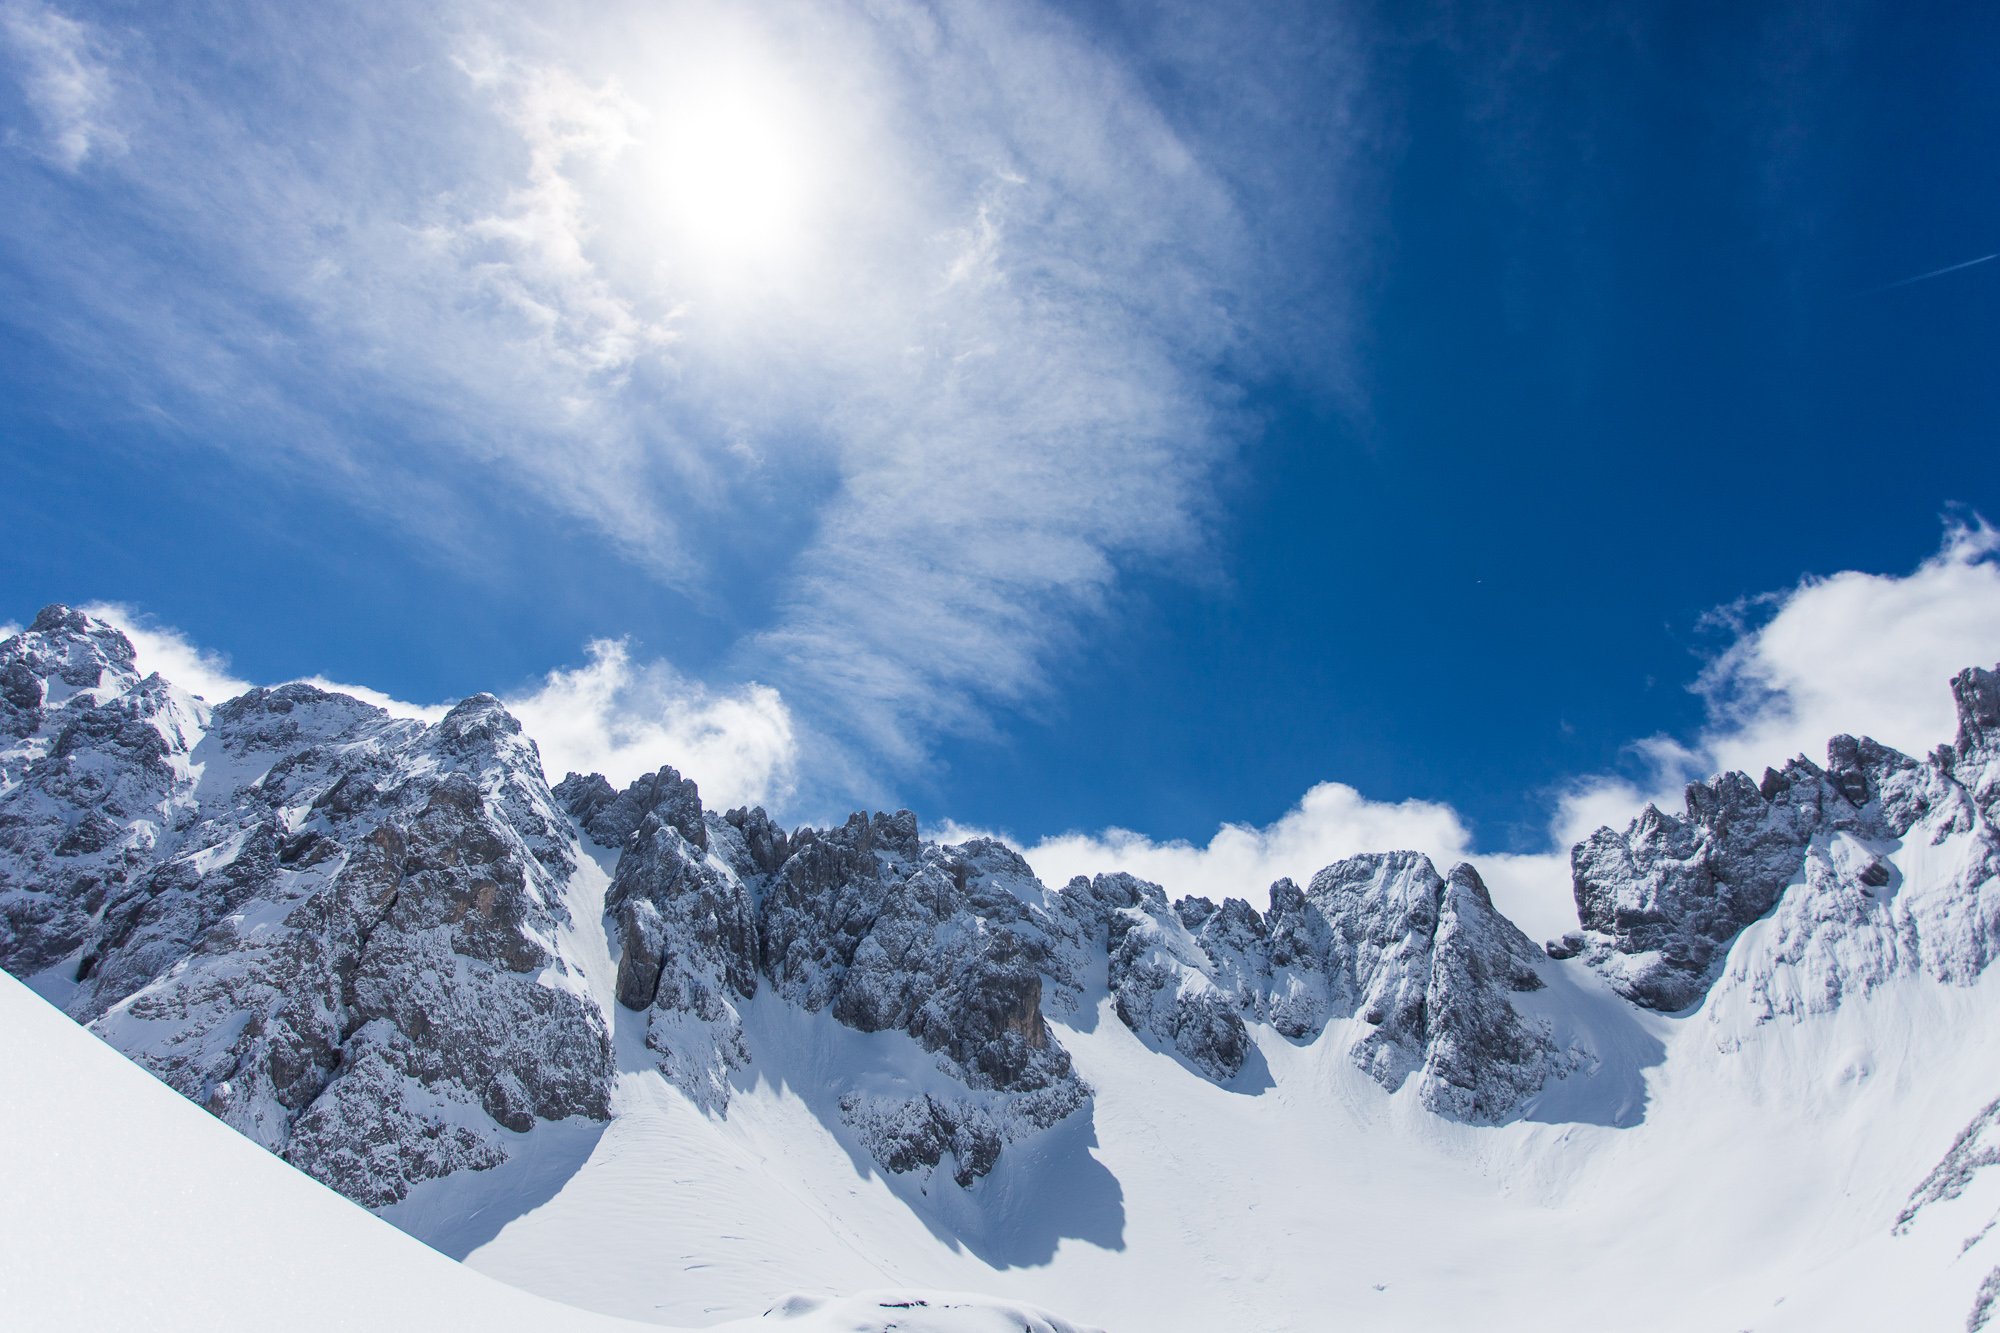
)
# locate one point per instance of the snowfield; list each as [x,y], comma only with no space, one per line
[636,1062]
[127,1207]
[1759,1191]
[1762,1190]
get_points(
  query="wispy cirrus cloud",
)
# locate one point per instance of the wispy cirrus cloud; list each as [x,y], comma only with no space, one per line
[917,310]
[65,75]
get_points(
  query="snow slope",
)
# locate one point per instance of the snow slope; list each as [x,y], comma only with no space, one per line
[1757,1190]
[128,1207]
[674,1081]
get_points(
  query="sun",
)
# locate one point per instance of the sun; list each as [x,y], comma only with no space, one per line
[730,155]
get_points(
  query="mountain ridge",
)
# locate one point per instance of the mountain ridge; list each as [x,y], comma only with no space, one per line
[367,943]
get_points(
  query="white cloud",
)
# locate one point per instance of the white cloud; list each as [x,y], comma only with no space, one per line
[533,256]
[206,674]
[1330,822]
[66,81]
[610,717]
[915,310]
[623,721]
[1865,654]
[164,649]
[394,707]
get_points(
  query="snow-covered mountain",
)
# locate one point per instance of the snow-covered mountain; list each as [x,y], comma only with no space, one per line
[670,1064]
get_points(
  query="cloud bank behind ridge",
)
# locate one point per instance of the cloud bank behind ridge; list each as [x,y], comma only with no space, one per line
[610,716]
[1865,654]
[1869,654]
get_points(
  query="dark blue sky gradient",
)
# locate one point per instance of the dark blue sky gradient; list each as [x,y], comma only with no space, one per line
[1622,367]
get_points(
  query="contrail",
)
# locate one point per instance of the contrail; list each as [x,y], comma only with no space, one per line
[1935,273]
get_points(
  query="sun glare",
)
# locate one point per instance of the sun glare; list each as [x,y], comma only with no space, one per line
[734,175]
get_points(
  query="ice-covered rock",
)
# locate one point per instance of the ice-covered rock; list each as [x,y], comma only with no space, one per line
[1425,962]
[1662,904]
[334,929]
[887,931]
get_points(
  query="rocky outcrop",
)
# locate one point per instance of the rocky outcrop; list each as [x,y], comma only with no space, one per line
[95,780]
[1851,921]
[1162,981]
[889,932]
[1662,903]
[1483,1056]
[335,929]
[687,936]
[868,923]
[610,818]
[1426,964]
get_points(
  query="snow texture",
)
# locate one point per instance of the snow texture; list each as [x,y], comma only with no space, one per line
[533,1024]
[207,1232]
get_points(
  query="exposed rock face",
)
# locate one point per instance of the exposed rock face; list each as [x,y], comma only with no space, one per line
[887,931]
[1426,964]
[1661,903]
[1161,979]
[687,934]
[683,922]
[611,818]
[94,777]
[1849,923]
[342,932]
[1482,1056]
[335,929]
[867,922]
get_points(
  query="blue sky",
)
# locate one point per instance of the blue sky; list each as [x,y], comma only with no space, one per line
[1051,418]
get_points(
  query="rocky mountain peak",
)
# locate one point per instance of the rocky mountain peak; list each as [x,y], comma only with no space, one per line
[72,644]
[1977,693]
[335,929]
[64,653]
[1661,904]
[612,817]
[344,933]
